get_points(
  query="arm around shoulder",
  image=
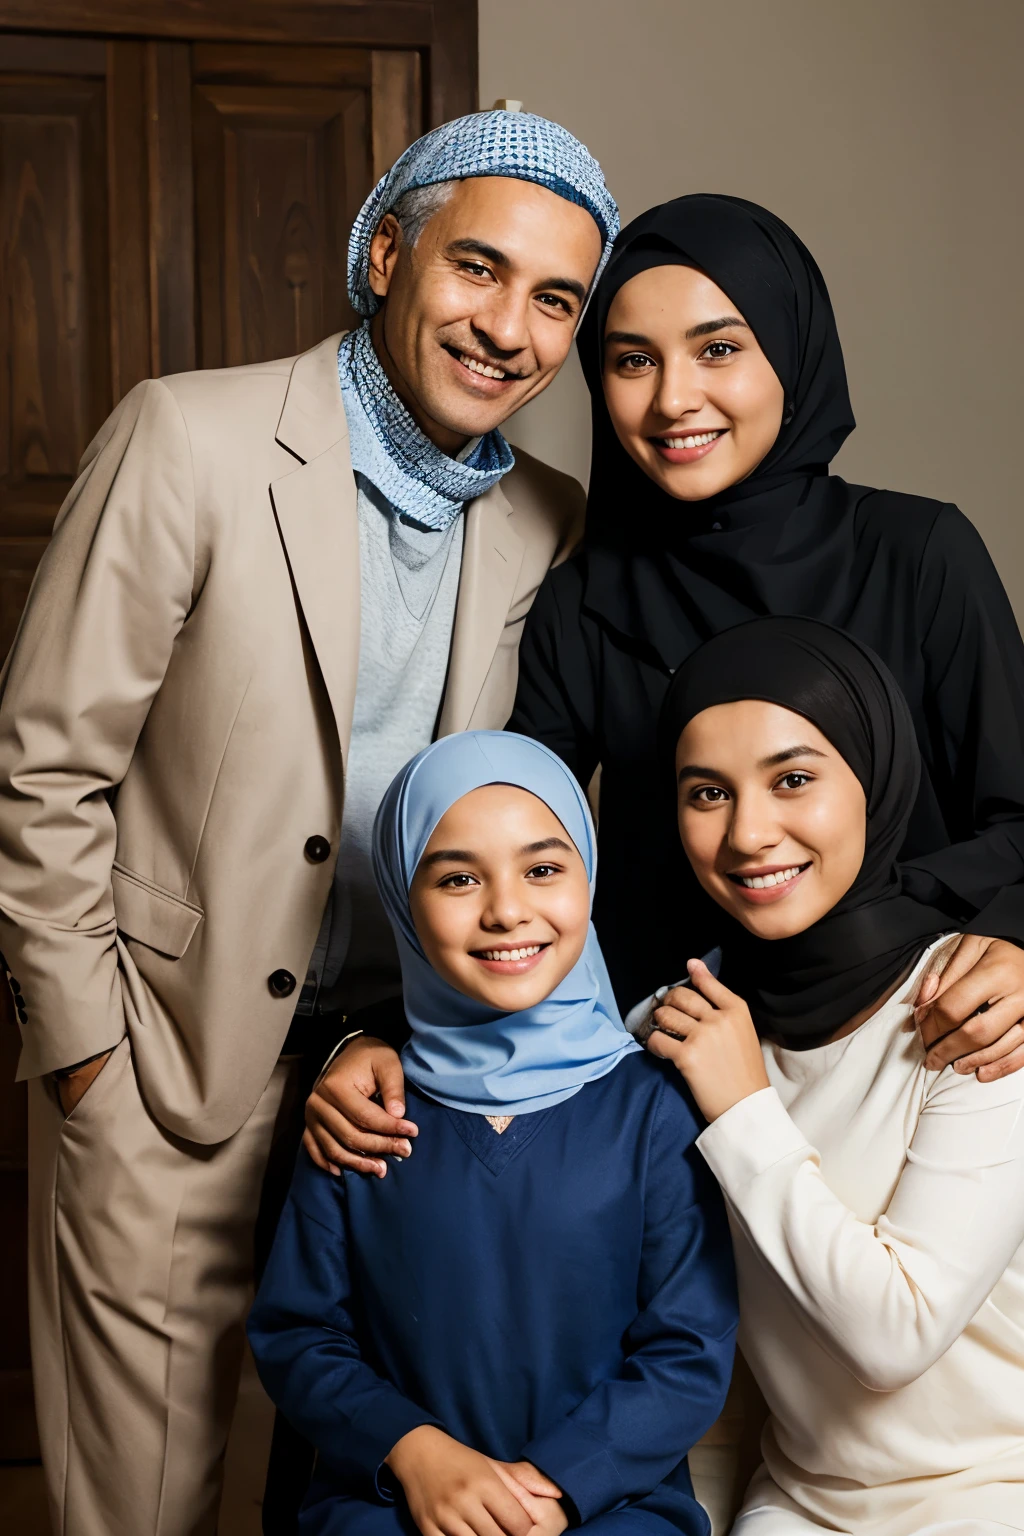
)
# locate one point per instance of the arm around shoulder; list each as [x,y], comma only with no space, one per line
[112,591]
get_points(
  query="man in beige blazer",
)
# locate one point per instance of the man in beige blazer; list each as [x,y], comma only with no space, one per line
[178,728]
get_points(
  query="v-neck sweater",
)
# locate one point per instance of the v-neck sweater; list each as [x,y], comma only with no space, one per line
[878,1216]
[409,585]
[563,1292]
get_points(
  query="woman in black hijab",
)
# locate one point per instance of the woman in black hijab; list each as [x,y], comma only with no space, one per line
[665,565]
[805,984]
[877,1208]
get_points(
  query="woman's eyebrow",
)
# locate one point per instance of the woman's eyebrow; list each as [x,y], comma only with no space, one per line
[698,771]
[630,338]
[708,327]
[544,845]
[787,754]
[447,856]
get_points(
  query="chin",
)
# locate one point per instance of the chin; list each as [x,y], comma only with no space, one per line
[514,999]
[771,928]
[685,487]
[762,922]
[463,413]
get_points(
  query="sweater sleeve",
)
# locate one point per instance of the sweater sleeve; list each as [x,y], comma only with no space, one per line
[304,1338]
[556,699]
[626,1437]
[886,1299]
[974,661]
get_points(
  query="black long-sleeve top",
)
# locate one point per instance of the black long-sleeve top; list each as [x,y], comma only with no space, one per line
[908,576]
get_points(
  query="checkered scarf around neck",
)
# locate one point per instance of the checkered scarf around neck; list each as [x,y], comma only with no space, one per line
[418,479]
[388,447]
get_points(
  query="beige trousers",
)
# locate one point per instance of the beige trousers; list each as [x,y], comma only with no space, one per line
[140,1259]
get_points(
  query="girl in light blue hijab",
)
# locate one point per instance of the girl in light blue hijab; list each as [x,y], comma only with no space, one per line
[463,1051]
[530,1320]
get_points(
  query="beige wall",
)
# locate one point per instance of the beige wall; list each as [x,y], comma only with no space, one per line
[889,133]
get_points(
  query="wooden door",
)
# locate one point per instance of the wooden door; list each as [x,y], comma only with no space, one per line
[178,179]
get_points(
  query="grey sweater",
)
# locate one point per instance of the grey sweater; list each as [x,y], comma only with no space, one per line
[409,581]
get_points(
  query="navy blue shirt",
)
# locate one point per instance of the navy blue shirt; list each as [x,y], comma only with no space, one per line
[563,1293]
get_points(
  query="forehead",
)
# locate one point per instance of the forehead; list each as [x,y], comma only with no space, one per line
[672,297]
[495,815]
[529,224]
[738,735]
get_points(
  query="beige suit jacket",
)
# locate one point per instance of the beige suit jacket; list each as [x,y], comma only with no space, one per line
[175,716]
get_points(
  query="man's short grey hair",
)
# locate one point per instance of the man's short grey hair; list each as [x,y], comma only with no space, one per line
[417,207]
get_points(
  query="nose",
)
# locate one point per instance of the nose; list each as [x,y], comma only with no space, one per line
[502,323]
[679,389]
[506,907]
[754,826]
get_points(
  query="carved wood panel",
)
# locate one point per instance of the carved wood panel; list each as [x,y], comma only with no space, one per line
[55,387]
[287,144]
[271,183]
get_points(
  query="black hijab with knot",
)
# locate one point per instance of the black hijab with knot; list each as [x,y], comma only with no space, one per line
[692,568]
[803,988]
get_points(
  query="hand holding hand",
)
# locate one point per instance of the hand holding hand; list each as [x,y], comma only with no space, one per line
[450,1488]
[344,1128]
[708,1033]
[983,974]
[538,1495]
[72,1089]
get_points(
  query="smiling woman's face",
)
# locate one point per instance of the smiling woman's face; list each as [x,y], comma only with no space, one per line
[692,397]
[500,899]
[772,819]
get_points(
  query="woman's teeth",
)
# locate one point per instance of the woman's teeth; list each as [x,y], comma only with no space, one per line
[511,954]
[699,441]
[484,368]
[759,882]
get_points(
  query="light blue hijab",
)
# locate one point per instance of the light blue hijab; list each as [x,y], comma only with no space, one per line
[462,1053]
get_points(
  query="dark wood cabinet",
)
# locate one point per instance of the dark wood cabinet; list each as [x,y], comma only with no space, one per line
[178,179]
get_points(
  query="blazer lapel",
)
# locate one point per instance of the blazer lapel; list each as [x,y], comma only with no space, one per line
[315,507]
[492,556]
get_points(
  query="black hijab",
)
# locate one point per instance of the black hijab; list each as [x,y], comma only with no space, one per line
[693,568]
[802,989]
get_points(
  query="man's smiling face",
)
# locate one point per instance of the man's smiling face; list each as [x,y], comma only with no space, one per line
[480,312]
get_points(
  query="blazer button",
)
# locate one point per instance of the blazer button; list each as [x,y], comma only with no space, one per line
[14,986]
[22,1015]
[317,849]
[281,983]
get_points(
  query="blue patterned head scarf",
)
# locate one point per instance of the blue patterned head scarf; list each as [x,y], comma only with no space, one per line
[499,143]
[461,1052]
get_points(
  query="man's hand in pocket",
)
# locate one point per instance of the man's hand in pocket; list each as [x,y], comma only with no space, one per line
[73,1088]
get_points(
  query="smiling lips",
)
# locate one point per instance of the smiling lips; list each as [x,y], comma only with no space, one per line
[482,371]
[687,449]
[511,960]
[764,886]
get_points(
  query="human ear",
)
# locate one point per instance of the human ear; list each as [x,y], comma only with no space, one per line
[384,249]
